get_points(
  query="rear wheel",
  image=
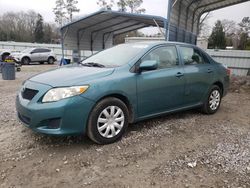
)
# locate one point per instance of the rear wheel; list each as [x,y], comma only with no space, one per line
[108,121]
[213,100]
[25,61]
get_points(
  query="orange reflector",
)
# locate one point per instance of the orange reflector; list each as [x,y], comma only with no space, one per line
[83,89]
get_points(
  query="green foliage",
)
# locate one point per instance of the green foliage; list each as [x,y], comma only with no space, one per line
[60,12]
[245,24]
[132,6]
[71,8]
[22,26]
[39,33]
[244,43]
[122,5]
[64,10]
[217,39]
[107,5]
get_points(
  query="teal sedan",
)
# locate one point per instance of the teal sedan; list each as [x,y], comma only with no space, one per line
[102,94]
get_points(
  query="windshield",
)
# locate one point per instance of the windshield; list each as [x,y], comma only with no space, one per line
[116,56]
[27,50]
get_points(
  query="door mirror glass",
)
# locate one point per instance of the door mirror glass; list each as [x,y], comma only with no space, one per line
[148,65]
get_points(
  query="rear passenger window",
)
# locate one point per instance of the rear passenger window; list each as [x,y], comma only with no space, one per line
[44,50]
[191,56]
[166,57]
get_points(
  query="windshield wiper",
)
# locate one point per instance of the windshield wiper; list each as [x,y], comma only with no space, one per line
[92,64]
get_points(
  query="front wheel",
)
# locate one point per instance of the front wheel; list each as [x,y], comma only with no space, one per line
[212,103]
[108,121]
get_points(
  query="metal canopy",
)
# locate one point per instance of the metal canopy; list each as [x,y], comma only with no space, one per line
[186,14]
[96,31]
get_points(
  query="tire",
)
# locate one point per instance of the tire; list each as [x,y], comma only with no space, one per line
[25,61]
[51,60]
[213,100]
[103,129]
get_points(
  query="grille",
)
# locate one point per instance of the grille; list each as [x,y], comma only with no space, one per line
[29,93]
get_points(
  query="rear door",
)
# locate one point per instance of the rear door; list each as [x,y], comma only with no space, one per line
[161,89]
[198,73]
[35,55]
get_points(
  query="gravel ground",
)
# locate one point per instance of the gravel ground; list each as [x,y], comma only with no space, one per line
[186,149]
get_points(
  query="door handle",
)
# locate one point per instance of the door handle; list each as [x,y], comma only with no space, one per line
[209,70]
[179,74]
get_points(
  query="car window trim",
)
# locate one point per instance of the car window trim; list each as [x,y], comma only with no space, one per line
[194,47]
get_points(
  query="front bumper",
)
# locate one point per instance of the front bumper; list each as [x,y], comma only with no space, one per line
[65,117]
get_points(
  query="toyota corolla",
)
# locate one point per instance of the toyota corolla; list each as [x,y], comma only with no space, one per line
[128,83]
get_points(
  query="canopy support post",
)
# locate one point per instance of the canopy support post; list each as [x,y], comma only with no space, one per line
[168,19]
[62,40]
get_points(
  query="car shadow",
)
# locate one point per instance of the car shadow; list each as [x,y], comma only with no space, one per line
[163,119]
[85,143]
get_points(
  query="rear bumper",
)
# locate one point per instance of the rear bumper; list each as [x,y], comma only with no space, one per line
[226,85]
[64,117]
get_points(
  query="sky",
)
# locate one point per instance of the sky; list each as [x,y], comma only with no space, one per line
[155,7]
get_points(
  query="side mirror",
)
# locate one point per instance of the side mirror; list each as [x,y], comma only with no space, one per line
[148,65]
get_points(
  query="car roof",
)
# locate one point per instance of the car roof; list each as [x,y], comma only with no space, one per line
[155,43]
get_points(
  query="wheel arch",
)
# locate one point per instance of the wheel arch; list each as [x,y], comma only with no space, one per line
[50,56]
[125,100]
[220,85]
[25,57]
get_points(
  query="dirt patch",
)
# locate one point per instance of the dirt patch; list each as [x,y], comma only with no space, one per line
[240,83]
[186,149]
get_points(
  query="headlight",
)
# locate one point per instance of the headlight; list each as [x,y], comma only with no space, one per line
[57,94]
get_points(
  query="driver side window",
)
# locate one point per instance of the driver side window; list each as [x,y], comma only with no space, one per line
[165,57]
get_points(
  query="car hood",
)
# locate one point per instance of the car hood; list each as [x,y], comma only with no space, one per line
[15,54]
[71,75]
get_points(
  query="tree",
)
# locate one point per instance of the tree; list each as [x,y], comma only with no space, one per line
[245,24]
[134,6]
[244,42]
[217,39]
[107,5]
[204,28]
[48,33]
[64,11]
[229,26]
[21,26]
[39,32]
[71,8]
[122,5]
[60,12]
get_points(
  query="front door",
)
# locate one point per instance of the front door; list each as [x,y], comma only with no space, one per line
[161,89]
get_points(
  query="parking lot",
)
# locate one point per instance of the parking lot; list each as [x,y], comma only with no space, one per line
[187,149]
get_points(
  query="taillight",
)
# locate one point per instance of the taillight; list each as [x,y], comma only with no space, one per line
[228,71]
